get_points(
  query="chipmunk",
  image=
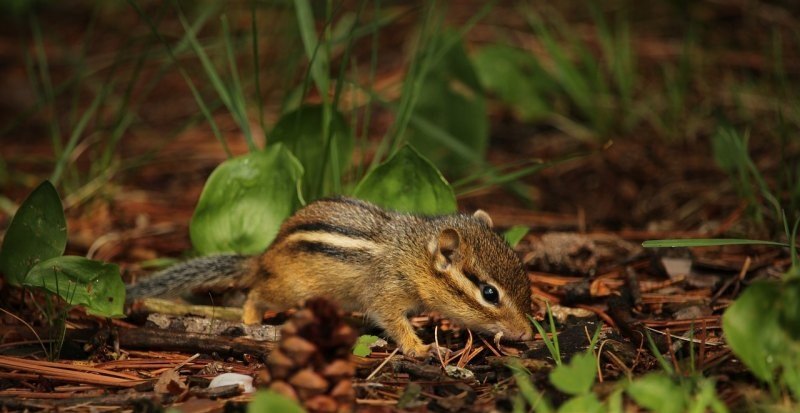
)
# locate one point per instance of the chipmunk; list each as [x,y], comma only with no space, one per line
[384,263]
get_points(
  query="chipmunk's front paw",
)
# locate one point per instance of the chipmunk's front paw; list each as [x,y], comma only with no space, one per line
[417,351]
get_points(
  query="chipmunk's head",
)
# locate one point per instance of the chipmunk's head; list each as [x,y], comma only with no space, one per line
[482,282]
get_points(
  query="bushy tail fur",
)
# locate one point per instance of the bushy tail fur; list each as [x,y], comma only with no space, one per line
[213,272]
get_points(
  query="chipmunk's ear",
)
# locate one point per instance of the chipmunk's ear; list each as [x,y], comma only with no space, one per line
[445,248]
[482,216]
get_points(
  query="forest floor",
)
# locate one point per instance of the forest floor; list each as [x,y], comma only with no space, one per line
[587,217]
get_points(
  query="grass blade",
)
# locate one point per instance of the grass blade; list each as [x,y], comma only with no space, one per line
[707,242]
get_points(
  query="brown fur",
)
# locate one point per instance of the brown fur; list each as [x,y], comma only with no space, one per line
[384,263]
[390,264]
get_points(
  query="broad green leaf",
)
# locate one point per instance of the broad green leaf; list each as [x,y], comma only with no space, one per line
[245,200]
[408,182]
[789,316]
[451,99]
[37,232]
[585,403]
[516,78]
[270,401]
[362,347]
[707,242]
[515,234]
[658,393]
[753,330]
[301,130]
[531,394]
[577,377]
[80,281]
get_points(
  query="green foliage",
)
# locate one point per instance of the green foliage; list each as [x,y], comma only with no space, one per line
[245,200]
[324,158]
[270,401]
[658,393]
[516,77]
[550,342]
[32,256]
[583,403]
[515,234]
[78,280]
[362,347]
[37,232]
[450,100]
[732,156]
[527,392]
[576,377]
[408,182]
[761,327]
[707,242]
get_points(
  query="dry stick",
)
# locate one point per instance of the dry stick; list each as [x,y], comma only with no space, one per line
[742,272]
[672,354]
[377,369]
[67,375]
[73,367]
[491,348]
[29,327]
[438,353]
[165,340]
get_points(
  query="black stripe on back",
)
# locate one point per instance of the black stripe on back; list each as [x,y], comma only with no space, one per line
[342,254]
[325,227]
[359,204]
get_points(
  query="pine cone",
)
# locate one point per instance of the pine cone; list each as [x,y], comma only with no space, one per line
[311,364]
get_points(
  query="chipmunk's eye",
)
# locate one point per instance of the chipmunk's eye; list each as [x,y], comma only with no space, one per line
[490,294]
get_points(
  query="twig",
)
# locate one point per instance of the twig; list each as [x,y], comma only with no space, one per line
[380,366]
[39,339]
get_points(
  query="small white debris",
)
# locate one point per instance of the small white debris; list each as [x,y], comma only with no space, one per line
[226,379]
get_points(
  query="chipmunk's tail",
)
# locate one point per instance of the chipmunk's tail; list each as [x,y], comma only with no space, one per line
[213,273]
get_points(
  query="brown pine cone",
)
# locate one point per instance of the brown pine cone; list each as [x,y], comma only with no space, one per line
[311,364]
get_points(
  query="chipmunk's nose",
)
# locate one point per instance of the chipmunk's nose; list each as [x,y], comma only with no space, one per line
[526,336]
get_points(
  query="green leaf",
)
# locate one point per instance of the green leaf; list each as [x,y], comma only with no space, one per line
[577,377]
[516,78]
[362,347]
[658,393]
[585,403]
[515,234]
[789,316]
[530,394]
[753,330]
[245,200]
[81,281]
[707,242]
[408,182]
[451,99]
[301,131]
[37,232]
[270,401]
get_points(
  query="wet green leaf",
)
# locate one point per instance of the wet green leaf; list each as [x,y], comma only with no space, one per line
[301,131]
[270,401]
[37,232]
[245,200]
[515,234]
[576,377]
[753,330]
[658,393]
[585,403]
[362,347]
[450,100]
[408,182]
[81,281]
[516,78]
